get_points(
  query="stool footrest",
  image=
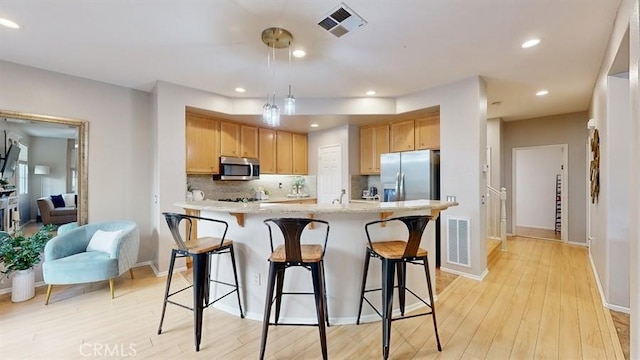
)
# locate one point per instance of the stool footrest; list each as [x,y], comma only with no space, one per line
[292,324]
[220,298]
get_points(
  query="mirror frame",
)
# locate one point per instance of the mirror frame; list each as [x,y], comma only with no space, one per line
[83,158]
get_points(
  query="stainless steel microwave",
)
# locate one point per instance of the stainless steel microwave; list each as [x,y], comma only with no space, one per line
[236,168]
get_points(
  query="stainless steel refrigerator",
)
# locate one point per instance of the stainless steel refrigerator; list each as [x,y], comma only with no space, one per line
[410,175]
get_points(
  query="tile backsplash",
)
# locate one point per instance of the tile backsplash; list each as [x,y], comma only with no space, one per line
[277,186]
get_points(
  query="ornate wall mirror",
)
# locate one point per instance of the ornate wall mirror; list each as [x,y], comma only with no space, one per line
[32,125]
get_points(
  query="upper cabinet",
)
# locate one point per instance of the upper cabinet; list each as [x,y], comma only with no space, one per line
[229,139]
[238,140]
[299,154]
[427,132]
[249,141]
[402,136]
[202,145]
[284,152]
[267,151]
[374,141]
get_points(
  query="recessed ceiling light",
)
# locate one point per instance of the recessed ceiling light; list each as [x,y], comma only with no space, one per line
[240,90]
[9,24]
[370,93]
[299,53]
[530,43]
[542,92]
[314,125]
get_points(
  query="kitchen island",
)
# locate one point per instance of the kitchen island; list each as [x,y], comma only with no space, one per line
[344,257]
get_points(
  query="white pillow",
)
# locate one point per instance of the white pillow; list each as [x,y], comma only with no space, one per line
[103,241]
[69,200]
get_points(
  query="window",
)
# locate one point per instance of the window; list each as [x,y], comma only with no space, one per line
[23,169]
[23,178]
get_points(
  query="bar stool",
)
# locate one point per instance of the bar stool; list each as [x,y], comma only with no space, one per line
[395,254]
[200,250]
[289,254]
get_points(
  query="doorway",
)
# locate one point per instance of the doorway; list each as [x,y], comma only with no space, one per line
[329,173]
[540,185]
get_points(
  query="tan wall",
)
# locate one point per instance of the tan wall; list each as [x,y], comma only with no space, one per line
[570,129]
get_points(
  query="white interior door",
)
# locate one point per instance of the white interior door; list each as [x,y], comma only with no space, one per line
[329,173]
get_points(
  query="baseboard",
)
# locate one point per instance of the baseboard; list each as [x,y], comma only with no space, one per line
[603,298]
[157,272]
[577,243]
[466,275]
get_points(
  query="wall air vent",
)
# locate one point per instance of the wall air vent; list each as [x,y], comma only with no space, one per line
[341,21]
[458,242]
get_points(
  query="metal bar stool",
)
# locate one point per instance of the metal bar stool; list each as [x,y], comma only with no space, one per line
[395,254]
[292,253]
[200,250]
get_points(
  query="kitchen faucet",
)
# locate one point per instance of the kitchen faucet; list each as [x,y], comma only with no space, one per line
[339,200]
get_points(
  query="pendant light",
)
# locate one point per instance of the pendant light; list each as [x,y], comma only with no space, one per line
[276,38]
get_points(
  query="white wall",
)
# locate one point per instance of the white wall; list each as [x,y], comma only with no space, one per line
[119,138]
[627,19]
[536,170]
[463,143]
[631,9]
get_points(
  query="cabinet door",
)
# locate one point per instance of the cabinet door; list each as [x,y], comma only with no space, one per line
[267,153]
[374,141]
[249,141]
[381,145]
[284,149]
[428,133]
[402,136]
[229,139]
[202,145]
[367,150]
[299,154]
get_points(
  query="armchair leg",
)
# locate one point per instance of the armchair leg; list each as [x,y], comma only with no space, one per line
[111,286]
[131,273]
[46,302]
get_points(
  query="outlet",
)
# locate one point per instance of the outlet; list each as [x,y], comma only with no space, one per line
[256,279]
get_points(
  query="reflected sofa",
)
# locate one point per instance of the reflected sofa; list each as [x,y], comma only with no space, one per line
[58,215]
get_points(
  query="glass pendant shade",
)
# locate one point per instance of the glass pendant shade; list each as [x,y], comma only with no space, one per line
[289,104]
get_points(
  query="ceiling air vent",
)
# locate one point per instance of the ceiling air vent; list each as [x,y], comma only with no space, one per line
[341,20]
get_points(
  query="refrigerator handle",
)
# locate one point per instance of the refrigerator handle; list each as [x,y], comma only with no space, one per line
[402,187]
[397,187]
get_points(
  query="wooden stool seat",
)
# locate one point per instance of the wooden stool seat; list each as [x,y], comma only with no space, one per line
[310,253]
[205,244]
[394,249]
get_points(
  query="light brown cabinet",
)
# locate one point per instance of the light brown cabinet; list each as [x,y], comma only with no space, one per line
[267,150]
[238,140]
[229,139]
[374,141]
[284,150]
[207,138]
[299,154]
[427,133]
[402,136]
[249,141]
[202,145]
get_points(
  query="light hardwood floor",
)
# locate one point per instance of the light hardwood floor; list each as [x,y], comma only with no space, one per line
[538,301]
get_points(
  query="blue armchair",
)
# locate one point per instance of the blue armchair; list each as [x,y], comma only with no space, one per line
[67,260]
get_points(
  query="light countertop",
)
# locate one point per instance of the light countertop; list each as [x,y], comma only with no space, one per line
[353,207]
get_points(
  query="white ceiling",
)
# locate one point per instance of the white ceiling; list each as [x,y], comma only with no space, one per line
[407,46]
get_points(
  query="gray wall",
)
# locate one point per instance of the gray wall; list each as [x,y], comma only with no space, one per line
[568,129]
